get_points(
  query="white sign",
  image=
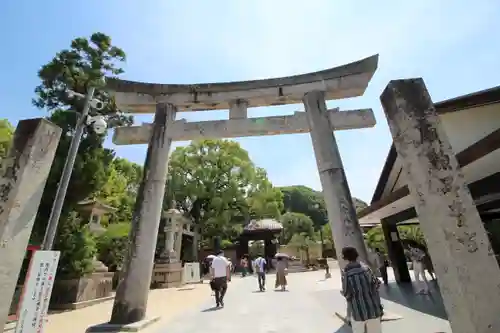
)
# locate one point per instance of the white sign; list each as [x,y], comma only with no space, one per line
[37,290]
[192,272]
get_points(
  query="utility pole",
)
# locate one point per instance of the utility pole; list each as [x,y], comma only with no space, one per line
[62,188]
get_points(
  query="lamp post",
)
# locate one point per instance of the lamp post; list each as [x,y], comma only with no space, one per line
[99,126]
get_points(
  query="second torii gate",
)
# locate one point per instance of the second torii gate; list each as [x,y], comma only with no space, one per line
[311,89]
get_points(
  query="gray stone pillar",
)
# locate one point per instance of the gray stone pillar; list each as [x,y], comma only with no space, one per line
[23,174]
[468,274]
[195,243]
[170,255]
[133,289]
[395,251]
[338,200]
[178,242]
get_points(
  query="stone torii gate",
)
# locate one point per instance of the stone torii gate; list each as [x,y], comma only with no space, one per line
[165,100]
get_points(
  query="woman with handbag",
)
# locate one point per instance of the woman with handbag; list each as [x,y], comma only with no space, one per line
[281,272]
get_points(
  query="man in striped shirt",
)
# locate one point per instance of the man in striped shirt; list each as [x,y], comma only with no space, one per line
[360,288]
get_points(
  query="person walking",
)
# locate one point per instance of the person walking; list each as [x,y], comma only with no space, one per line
[281,272]
[221,274]
[360,288]
[260,268]
[418,257]
[381,262]
[244,266]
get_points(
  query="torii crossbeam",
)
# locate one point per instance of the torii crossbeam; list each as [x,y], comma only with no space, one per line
[165,100]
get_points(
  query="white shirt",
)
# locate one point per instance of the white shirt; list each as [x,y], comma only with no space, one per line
[219,265]
[259,264]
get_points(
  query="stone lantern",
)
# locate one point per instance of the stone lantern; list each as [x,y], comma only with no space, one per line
[174,224]
[93,210]
[167,271]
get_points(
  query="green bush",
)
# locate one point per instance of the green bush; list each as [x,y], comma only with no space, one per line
[113,244]
[77,247]
[375,239]
[375,236]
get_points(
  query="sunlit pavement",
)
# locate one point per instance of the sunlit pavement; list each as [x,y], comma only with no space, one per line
[308,306]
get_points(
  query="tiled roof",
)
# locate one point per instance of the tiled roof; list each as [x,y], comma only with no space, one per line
[264,224]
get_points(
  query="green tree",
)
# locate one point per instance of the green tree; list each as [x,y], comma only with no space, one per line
[328,235]
[112,245]
[296,223]
[412,232]
[218,186]
[374,238]
[120,189]
[6,136]
[77,248]
[305,200]
[303,242]
[83,65]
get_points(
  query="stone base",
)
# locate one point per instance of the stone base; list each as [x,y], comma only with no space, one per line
[167,275]
[77,293]
[134,327]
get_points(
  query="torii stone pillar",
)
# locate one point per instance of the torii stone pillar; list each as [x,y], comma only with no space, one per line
[135,280]
[341,212]
[23,174]
[468,273]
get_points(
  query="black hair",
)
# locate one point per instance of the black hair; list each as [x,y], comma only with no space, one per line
[350,253]
[279,258]
[377,249]
[219,252]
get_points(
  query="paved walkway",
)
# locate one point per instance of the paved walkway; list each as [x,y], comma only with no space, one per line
[167,303]
[247,310]
[308,306]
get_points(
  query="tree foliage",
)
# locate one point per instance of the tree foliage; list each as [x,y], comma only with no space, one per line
[6,136]
[305,200]
[120,189]
[83,65]
[303,242]
[217,185]
[77,248]
[375,236]
[294,224]
[112,245]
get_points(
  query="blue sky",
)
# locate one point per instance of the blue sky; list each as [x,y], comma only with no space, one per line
[453,44]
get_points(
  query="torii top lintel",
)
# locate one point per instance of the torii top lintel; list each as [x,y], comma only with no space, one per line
[340,82]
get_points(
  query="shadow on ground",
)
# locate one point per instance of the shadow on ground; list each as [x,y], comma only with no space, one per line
[213,308]
[404,294]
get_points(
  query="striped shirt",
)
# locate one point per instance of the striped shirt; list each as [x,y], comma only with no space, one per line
[360,288]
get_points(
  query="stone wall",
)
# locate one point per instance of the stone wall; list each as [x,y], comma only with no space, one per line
[78,293]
